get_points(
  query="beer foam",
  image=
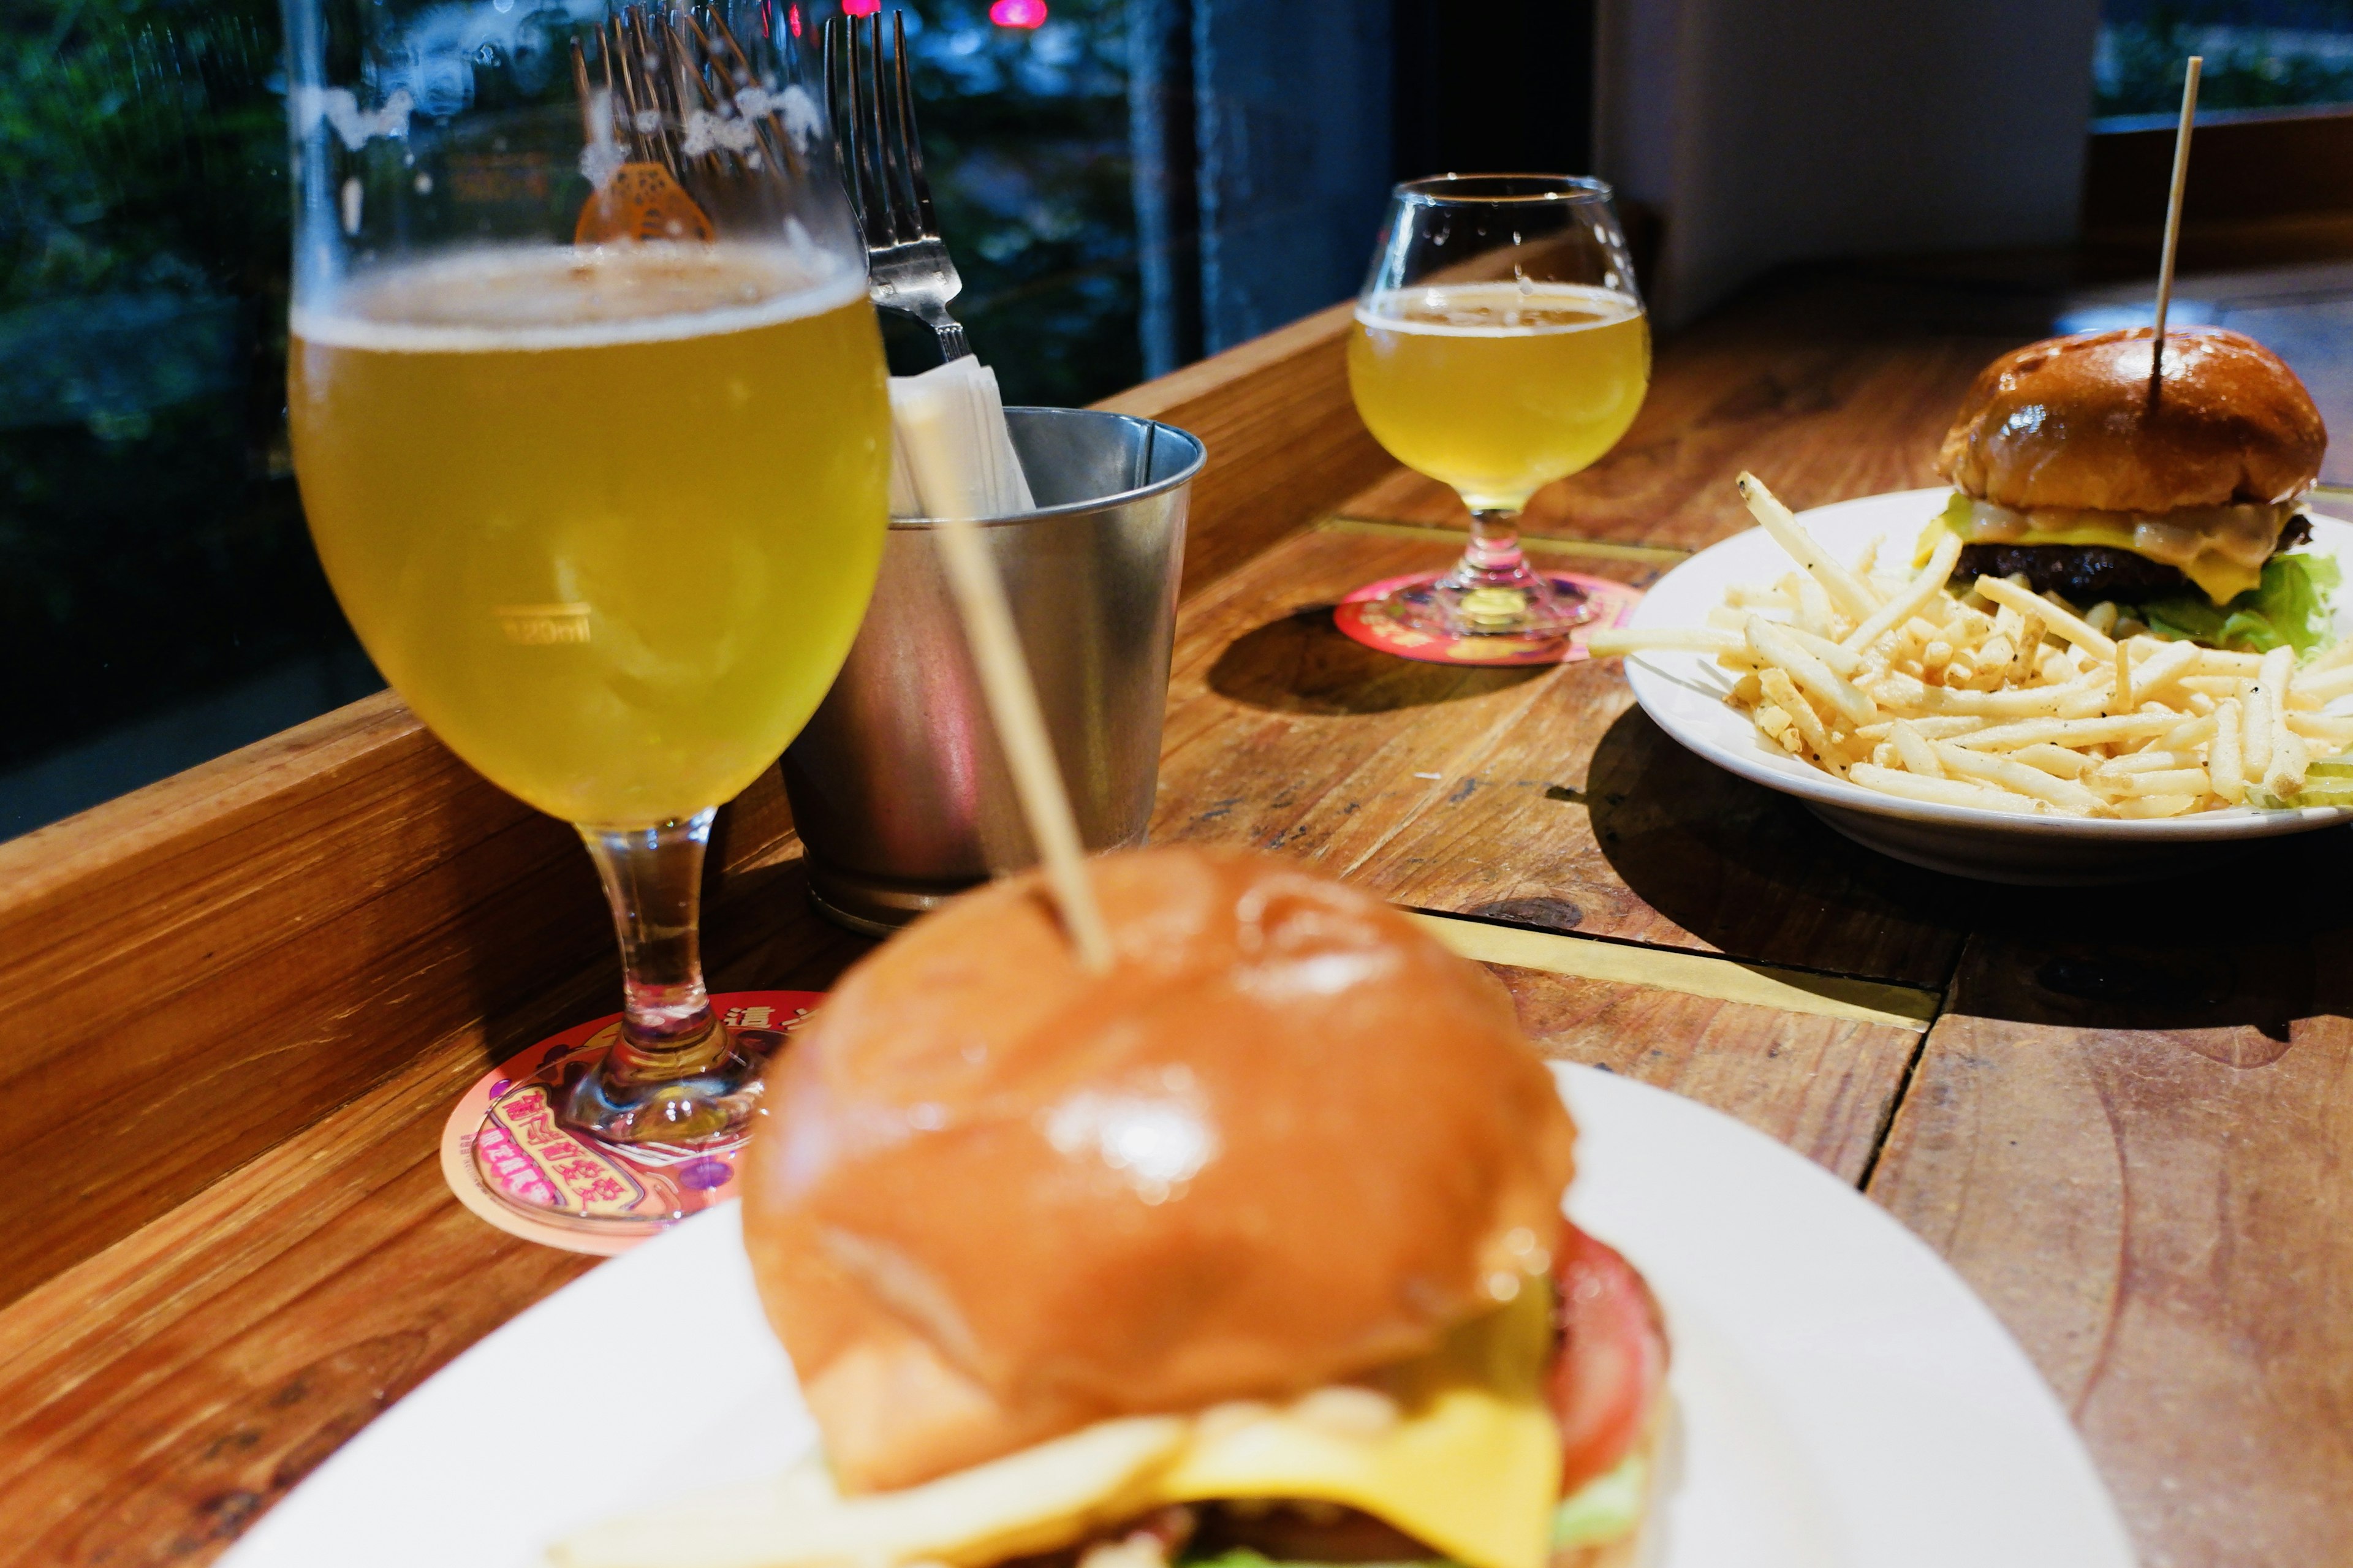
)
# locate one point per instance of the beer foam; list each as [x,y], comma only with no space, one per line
[1489,310]
[565,297]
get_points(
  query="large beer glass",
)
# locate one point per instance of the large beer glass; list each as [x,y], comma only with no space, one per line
[589,418]
[1500,344]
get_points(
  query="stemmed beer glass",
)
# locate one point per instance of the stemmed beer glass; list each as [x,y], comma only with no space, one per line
[589,419]
[1500,344]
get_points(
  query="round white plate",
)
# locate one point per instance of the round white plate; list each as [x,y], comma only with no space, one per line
[1842,1400]
[1683,694]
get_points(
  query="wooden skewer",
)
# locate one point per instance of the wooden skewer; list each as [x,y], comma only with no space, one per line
[1021,727]
[2173,221]
[588,105]
[775,143]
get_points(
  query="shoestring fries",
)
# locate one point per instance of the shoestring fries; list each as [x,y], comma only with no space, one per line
[2000,698]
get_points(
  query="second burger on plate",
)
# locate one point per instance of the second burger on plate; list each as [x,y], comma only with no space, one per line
[2179,501]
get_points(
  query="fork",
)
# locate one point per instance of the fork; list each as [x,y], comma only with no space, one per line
[908,266]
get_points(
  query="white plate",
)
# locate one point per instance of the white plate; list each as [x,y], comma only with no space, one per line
[1683,693]
[1842,1400]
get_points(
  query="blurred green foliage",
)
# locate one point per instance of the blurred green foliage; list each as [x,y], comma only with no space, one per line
[1026,142]
[151,547]
[2265,59]
[140,146]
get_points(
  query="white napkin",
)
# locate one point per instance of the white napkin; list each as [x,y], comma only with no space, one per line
[951,455]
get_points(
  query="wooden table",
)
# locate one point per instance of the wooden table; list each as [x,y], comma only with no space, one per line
[245,998]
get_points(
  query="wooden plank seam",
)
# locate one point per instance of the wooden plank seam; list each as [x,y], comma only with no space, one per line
[1692,973]
[1537,543]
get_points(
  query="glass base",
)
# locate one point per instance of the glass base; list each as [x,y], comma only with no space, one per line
[513,1159]
[1368,617]
[694,1094]
[1508,604]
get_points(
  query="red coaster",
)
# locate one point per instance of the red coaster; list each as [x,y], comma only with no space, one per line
[507,1159]
[1369,623]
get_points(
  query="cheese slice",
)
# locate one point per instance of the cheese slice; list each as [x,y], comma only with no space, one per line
[1469,1463]
[2221,549]
[1458,1449]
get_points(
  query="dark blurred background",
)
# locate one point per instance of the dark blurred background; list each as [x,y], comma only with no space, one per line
[1128,185]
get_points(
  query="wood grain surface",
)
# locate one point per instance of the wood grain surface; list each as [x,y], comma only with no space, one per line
[2133,1134]
[213,962]
[1770,986]
[1533,795]
[246,1335]
[158,1395]
[216,962]
[1826,1087]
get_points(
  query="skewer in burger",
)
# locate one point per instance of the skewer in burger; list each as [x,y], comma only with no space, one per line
[1248,1251]
[2182,505]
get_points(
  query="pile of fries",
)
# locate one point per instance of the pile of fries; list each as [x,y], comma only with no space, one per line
[2007,701]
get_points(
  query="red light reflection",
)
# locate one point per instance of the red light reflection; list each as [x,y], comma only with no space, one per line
[1016,13]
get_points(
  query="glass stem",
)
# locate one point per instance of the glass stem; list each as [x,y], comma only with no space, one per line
[1495,554]
[653,879]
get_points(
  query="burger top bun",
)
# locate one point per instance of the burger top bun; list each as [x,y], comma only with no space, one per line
[2068,421]
[993,1198]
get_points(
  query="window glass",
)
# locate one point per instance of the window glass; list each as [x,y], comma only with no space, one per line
[159,600]
[1026,142]
[2260,55]
[1125,183]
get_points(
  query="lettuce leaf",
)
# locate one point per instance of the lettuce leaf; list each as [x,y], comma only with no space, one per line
[2327,782]
[2289,608]
[1606,1509]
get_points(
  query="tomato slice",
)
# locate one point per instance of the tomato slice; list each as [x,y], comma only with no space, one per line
[1612,1359]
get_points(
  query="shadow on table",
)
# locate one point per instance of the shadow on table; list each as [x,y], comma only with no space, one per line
[1304,664]
[1756,874]
[2228,959]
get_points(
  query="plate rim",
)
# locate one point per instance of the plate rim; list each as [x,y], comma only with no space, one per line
[2074,1504]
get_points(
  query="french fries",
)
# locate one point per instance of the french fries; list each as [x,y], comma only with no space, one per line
[1998,698]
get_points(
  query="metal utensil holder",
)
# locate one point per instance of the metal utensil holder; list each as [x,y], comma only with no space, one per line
[898,787]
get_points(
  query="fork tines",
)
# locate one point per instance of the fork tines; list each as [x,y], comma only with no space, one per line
[874,125]
[908,266]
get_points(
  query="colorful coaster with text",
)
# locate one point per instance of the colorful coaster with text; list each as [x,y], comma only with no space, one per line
[506,1157]
[1366,619]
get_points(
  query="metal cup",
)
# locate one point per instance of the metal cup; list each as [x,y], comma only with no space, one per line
[899,789]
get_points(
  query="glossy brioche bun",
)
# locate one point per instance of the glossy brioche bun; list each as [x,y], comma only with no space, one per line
[2068,421]
[993,1199]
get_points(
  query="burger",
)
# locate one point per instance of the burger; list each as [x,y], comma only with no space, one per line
[2179,501]
[1246,1251]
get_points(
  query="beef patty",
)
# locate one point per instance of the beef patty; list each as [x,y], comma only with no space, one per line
[2087,573]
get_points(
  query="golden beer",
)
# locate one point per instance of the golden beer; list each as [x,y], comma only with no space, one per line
[1498,389]
[607,520]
